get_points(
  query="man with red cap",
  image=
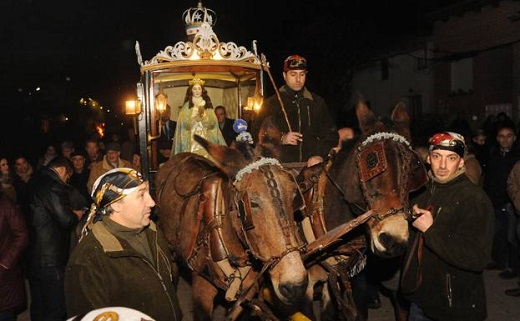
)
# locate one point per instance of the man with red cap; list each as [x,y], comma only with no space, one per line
[308,130]
[450,239]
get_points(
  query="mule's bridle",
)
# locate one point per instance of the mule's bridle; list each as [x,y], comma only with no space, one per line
[264,165]
[375,169]
[371,161]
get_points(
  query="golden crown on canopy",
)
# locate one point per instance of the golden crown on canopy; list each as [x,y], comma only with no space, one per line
[196,81]
[195,17]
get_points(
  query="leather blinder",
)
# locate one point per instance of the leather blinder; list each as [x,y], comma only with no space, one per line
[244,212]
[372,161]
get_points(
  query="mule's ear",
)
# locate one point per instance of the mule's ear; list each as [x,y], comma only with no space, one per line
[229,160]
[269,131]
[269,149]
[401,119]
[365,117]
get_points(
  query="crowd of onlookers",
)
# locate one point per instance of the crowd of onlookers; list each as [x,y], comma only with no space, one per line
[58,181]
[491,160]
[44,203]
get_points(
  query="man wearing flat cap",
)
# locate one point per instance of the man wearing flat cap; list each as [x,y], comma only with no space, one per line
[308,130]
[111,160]
[451,234]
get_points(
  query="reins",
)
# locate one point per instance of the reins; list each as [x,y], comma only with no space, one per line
[341,191]
[378,137]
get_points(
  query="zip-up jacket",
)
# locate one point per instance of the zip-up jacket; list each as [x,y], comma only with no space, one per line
[309,115]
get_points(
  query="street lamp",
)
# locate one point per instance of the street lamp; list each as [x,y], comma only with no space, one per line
[132,107]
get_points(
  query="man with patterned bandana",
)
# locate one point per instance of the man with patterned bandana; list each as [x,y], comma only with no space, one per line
[450,240]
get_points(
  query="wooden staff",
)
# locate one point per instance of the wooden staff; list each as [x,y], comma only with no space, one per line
[264,64]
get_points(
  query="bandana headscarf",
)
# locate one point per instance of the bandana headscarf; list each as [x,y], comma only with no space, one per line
[448,141]
[114,185]
[110,188]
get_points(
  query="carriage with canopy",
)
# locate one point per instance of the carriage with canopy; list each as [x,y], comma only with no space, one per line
[233,75]
[235,78]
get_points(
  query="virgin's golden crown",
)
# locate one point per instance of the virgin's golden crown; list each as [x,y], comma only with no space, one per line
[196,81]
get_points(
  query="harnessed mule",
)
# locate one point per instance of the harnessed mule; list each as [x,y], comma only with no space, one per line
[372,174]
[231,220]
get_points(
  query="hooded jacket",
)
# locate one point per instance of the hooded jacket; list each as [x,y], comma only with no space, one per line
[455,251]
[105,270]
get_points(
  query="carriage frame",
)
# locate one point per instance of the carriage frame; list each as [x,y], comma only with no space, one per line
[233,75]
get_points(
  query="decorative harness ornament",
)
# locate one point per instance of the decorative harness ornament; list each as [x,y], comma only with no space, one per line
[374,161]
[255,166]
[371,158]
[382,136]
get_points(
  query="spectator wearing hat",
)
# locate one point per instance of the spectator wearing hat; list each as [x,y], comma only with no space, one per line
[451,236]
[112,159]
[308,131]
[122,258]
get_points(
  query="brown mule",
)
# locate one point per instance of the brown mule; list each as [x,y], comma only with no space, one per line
[230,220]
[375,171]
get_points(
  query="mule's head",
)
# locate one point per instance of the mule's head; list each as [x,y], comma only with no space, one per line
[388,170]
[265,195]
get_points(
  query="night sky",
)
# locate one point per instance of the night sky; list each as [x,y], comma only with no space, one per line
[90,44]
[74,48]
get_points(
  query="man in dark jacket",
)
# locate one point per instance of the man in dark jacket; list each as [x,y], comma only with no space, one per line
[501,159]
[122,258]
[51,221]
[312,132]
[225,124]
[450,241]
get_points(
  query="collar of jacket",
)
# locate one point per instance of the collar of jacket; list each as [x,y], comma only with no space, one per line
[306,94]
[52,173]
[457,177]
[107,166]
[108,241]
